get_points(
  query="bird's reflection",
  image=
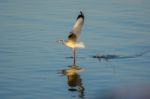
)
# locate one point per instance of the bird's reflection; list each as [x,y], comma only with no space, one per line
[74,80]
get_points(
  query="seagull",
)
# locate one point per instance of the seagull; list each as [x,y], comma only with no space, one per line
[72,42]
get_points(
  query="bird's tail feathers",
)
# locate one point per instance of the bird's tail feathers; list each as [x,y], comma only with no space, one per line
[80,45]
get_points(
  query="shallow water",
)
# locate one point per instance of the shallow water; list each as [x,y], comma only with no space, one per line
[31,59]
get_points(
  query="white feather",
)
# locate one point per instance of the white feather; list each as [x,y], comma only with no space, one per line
[78,27]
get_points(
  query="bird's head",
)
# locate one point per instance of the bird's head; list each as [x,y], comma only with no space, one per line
[60,41]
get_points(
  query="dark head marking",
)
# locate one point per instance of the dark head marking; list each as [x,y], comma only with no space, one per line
[72,37]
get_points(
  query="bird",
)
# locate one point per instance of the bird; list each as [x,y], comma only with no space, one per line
[74,34]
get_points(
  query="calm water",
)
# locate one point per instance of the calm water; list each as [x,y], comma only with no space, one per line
[30,58]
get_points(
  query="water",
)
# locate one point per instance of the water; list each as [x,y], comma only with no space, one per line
[30,58]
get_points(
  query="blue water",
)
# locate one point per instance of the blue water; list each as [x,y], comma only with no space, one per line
[30,58]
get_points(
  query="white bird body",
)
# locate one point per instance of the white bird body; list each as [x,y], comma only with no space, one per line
[74,45]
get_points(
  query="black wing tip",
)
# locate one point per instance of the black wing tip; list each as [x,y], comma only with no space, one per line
[81,15]
[81,12]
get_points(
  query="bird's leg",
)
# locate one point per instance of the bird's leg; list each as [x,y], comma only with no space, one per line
[74,56]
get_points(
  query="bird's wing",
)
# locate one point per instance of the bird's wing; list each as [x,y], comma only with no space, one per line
[75,33]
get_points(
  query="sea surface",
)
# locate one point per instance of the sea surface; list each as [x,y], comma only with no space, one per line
[33,65]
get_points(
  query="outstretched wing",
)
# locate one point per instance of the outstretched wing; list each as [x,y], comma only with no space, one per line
[75,33]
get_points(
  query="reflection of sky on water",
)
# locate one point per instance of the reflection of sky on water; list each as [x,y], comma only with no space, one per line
[30,56]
